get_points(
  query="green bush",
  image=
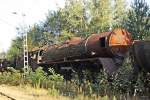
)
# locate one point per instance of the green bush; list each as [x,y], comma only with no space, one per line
[54,76]
[55,83]
[122,79]
[12,77]
[37,78]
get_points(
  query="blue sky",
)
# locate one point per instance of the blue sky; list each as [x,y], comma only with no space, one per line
[35,11]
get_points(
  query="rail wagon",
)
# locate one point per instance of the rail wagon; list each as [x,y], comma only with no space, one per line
[141,53]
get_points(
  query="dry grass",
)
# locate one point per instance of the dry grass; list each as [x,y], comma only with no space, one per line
[27,93]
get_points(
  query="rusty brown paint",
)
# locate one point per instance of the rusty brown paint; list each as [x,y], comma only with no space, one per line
[104,44]
[120,37]
[141,52]
[93,44]
[119,41]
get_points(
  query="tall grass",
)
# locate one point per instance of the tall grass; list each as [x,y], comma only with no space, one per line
[117,89]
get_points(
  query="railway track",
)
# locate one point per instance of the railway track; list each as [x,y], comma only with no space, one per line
[14,93]
[7,96]
[25,93]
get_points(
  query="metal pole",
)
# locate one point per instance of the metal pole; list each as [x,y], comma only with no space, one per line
[25,47]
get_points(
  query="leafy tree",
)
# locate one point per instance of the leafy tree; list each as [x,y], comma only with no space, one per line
[2,55]
[138,21]
[37,36]
[16,48]
[70,19]
[77,16]
[101,15]
[119,13]
[55,24]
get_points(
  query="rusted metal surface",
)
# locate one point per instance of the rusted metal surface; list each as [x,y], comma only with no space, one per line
[4,64]
[73,41]
[120,37]
[94,46]
[109,65]
[119,41]
[141,52]
[69,61]
[80,48]
[104,44]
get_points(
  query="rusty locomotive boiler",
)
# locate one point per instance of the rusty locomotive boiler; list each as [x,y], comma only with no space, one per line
[103,50]
[106,44]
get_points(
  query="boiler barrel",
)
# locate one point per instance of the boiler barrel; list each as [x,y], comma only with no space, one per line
[96,45]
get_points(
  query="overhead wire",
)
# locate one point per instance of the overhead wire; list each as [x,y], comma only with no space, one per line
[4,21]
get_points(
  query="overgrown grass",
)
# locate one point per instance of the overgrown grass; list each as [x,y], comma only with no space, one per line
[118,87]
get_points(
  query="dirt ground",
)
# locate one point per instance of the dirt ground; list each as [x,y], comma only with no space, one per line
[26,93]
